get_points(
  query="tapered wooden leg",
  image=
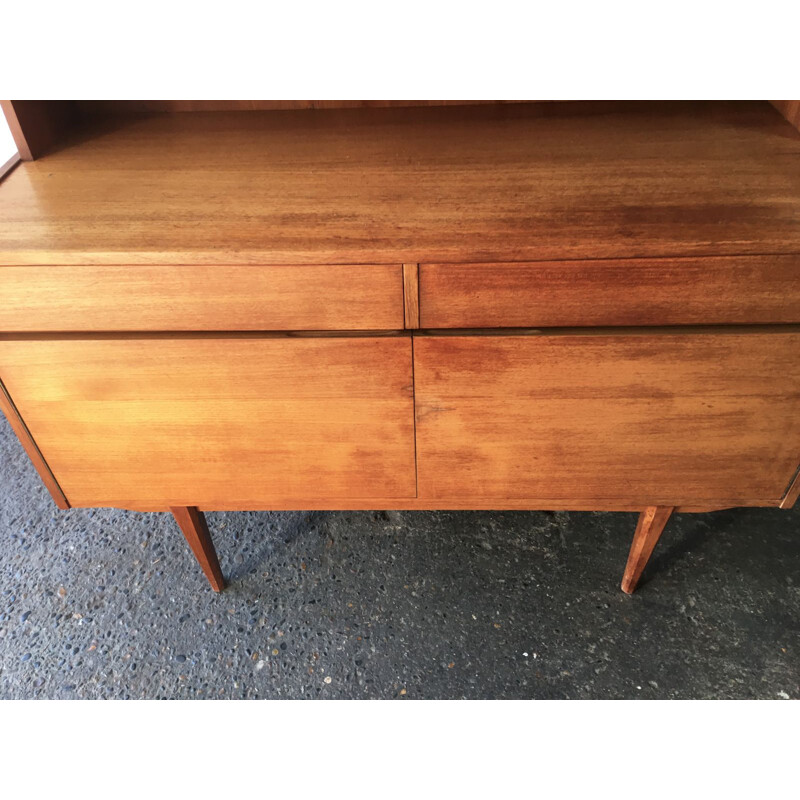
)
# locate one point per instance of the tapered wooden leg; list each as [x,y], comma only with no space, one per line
[193,524]
[648,530]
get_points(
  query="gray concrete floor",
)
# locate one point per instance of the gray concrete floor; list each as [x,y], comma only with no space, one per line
[110,604]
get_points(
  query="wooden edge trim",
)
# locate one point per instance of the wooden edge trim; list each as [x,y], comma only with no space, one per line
[184,106]
[417,504]
[7,168]
[16,130]
[790,496]
[411,296]
[775,329]
[31,448]
[260,257]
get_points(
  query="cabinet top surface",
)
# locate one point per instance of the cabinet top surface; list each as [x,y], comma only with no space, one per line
[437,184]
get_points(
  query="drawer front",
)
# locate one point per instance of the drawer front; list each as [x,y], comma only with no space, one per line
[151,422]
[682,291]
[706,419]
[200,298]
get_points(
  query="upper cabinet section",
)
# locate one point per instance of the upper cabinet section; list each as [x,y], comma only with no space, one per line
[493,183]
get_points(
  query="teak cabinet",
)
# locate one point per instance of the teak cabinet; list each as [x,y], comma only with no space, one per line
[556,306]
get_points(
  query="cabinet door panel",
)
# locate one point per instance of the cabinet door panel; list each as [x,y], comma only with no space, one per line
[658,419]
[218,421]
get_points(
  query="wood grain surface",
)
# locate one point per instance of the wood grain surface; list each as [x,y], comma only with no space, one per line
[684,291]
[31,448]
[198,298]
[411,295]
[664,419]
[210,420]
[413,185]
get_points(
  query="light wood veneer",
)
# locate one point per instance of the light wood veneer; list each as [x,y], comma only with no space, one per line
[160,422]
[665,291]
[201,298]
[666,419]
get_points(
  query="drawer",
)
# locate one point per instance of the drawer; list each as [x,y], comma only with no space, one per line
[599,420]
[218,421]
[198,298]
[670,291]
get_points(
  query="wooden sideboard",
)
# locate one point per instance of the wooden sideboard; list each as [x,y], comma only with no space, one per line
[497,306]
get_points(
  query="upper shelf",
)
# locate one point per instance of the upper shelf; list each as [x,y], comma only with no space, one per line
[482,183]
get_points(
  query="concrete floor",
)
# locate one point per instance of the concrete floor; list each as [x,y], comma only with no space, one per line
[104,603]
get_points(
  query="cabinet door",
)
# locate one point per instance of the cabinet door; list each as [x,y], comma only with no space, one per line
[218,422]
[608,420]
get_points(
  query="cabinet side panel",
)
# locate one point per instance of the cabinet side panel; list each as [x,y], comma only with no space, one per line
[38,125]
